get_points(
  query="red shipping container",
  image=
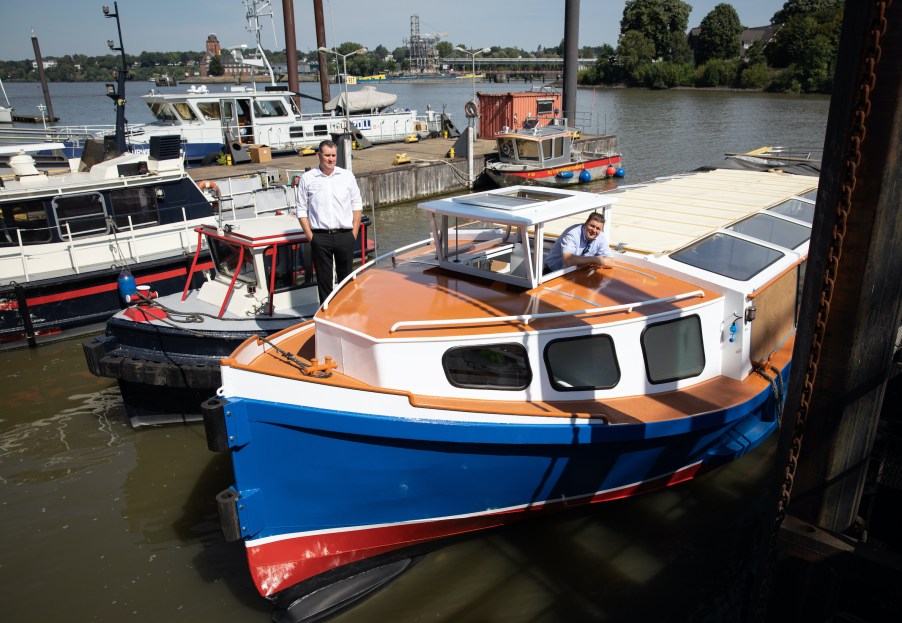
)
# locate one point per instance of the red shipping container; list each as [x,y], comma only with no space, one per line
[500,110]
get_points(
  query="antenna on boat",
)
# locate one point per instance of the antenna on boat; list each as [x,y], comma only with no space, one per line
[117,92]
[254,13]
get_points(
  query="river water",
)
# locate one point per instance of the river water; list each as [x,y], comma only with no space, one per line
[103,523]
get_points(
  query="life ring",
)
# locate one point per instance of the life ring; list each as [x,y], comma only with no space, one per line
[470,110]
[205,185]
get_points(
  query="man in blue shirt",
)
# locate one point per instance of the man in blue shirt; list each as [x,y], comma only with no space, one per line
[581,245]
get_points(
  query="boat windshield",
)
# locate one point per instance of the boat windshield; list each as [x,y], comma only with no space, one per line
[269,108]
[289,266]
[225,258]
[210,110]
[527,150]
[162,111]
[183,110]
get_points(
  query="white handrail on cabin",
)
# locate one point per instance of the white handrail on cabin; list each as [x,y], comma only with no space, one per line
[594,311]
[362,267]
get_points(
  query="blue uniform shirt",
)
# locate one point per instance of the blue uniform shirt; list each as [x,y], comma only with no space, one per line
[574,242]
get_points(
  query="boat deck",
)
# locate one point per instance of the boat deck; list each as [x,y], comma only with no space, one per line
[425,292]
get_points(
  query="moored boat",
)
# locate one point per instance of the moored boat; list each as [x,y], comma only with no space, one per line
[165,351]
[67,234]
[453,386]
[549,155]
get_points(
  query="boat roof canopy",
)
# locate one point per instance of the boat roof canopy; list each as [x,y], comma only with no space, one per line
[257,232]
[520,205]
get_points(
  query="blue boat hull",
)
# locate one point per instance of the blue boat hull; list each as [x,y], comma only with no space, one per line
[318,490]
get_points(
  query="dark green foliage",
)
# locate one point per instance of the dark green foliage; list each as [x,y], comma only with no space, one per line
[657,20]
[215,67]
[719,35]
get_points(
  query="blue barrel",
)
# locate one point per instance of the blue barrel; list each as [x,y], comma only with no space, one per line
[127,287]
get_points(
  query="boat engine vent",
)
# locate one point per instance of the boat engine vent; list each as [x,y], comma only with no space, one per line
[166,147]
[22,165]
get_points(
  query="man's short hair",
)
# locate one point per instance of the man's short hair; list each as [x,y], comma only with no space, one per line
[596,216]
[327,143]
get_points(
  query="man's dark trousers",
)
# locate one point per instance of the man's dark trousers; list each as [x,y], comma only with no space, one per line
[333,247]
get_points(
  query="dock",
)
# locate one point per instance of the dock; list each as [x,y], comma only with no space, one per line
[386,173]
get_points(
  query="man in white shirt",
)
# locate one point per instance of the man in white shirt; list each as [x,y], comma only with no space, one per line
[328,205]
[581,245]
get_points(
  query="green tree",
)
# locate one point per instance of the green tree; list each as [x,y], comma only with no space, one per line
[791,8]
[444,49]
[806,46]
[657,21]
[719,35]
[634,50]
[215,68]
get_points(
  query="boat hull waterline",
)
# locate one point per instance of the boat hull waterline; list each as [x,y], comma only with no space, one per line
[511,175]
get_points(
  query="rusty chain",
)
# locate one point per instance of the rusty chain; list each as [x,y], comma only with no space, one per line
[867,81]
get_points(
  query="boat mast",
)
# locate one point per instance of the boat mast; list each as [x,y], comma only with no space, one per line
[254,13]
[118,95]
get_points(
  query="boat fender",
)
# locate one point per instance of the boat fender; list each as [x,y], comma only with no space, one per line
[610,171]
[470,110]
[565,175]
[619,172]
[585,176]
[127,285]
[227,505]
[213,411]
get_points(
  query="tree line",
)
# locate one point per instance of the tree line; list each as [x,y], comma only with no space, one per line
[654,50]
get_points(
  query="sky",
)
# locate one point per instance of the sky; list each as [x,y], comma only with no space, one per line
[79,27]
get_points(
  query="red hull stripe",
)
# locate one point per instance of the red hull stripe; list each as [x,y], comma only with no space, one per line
[593,164]
[275,565]
[106,287]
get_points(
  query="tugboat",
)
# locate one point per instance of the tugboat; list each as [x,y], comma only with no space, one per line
[165,351]
[548,155]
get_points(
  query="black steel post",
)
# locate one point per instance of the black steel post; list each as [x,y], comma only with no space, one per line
[325,93]
[42,76]
[119,95]
[291,51]
[571,53]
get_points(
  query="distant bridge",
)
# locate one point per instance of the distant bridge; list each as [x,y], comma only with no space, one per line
[528,64]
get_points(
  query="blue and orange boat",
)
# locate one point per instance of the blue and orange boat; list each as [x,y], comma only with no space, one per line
[453,385]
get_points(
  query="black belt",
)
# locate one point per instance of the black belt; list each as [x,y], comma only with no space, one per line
[340,230]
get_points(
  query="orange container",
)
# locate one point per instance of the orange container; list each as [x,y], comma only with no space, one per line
[497,110]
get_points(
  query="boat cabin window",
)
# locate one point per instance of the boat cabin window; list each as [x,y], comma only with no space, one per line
[774,230]
[547,150]
[289,266]
[582,363]
[527,150]
[269,108]
[80,215]
[321,129]
[27,220]
[184,111]
[162,111]
[506,147]
[558,149]
[545,107]
[210,110]
[137,204]
[488,366]
[225,258]
[673,350]
[727,255]
[797,209]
